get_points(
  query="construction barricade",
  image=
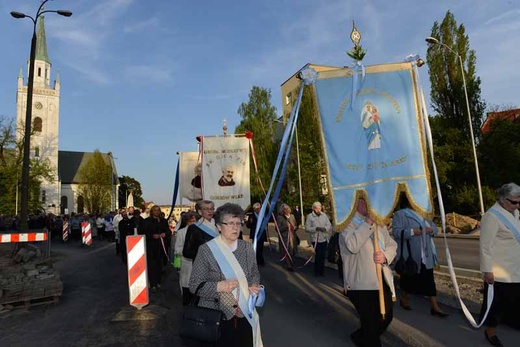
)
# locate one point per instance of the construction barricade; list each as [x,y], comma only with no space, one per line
[42,237]
[137,271]
[65,231]
[86,234]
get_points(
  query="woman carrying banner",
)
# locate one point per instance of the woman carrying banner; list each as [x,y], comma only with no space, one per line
[226,269]
[500,260]
[410,228]
[360,276]
[288,244]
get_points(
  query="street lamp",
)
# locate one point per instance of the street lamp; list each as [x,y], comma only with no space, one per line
[434,41]
[28,115]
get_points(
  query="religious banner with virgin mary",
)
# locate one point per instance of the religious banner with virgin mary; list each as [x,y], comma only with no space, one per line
[374,143]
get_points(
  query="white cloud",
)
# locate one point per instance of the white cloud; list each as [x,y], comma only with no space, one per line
[152,22]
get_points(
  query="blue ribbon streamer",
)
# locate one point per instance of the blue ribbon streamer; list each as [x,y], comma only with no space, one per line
[175,189]
[358,67]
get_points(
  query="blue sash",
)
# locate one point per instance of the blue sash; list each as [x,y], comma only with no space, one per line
[231,269]
[509,224]
[413,215]
[206,229]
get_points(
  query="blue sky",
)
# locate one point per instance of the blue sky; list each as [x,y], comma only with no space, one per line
[143,78]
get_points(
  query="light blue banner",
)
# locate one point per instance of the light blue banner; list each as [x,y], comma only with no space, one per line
[375,149]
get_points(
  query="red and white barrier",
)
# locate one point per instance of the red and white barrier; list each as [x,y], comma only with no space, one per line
[23,237]
[65,231]
[86,233]
[137,271]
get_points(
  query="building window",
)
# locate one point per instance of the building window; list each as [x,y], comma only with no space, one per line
[37,152]
[37,125]
[288,98]
[39,72]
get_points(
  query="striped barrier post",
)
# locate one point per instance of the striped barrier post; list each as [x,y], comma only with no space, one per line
[88,234]
[65,231]
[82,233]
[137,271]
[23,237]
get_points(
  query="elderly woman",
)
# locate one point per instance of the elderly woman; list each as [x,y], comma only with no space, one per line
[224,275]
[410,228]
[500,259]
[188,219]
[288,242]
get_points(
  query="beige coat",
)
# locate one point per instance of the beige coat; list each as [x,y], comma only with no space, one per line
[499,249]
[357,252]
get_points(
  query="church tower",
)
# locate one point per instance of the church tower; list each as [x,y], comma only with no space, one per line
[45,117]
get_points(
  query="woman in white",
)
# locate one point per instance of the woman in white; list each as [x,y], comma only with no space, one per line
[187,219]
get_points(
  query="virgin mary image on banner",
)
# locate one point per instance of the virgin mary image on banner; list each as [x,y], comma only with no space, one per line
[371,123]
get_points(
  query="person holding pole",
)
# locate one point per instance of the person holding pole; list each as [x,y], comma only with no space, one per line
[367,250]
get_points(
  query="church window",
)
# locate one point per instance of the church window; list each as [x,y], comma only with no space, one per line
[288,98]
[37,124]
[39,72]
[37,152]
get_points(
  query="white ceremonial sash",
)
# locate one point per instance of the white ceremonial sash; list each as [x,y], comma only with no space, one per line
[232,269]
[509,221]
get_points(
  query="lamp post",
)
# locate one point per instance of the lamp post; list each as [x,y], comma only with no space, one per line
[434,41]
[28,115]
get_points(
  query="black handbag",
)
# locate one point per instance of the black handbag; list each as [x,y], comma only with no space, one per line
[333,254]
[200,323]
[409,266]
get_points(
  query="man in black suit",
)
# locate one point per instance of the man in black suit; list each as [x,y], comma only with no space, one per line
[251,224]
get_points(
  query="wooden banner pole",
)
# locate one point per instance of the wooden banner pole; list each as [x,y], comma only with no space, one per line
[379,272]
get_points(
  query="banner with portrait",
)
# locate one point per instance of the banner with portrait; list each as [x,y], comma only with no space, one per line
[190,179]
[374,147]
[225,169]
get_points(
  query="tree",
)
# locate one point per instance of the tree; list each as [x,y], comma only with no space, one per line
[447,88]
[259,116]
[129,184]
[96,183]
[312,164]
[11,157]
[450,127]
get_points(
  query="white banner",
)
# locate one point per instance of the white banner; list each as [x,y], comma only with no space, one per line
[190,181]
[225,170]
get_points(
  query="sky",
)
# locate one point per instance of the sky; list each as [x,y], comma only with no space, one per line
[142,79]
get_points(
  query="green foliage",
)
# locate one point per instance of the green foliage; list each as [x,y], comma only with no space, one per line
[500,150]
[11,157]
[129,184]
[312,162]
[258,116]
[96,186]
[357,53]
[447,87]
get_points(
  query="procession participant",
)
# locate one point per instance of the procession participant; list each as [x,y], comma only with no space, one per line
[115,223]
[500,260]
[287,226]
[360,277]
[100,225]
[318,226]
[109,227]
[156,230]
[126,227]
[419,233]
[202,231]
[225,274]
[187,219]
[251,224]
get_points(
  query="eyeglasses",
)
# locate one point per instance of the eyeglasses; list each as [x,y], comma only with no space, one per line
[514,202]
[233,224]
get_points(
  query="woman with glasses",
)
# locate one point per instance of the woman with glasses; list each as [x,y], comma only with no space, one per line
[202,231]
[225,275]
[500,260]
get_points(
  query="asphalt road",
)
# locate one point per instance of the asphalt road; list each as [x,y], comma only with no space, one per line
[300,310]
[464,252]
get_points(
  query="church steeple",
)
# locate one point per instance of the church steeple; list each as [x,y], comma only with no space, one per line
[41,42]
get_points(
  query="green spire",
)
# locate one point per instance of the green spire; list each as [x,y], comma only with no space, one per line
[41,42]
[20,74]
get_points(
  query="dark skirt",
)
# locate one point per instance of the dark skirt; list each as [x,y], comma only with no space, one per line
[422,283]
[235,334]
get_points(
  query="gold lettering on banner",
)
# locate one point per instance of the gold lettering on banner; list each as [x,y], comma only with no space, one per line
[355,167]
[386,164]
[210,151]
[226,197]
